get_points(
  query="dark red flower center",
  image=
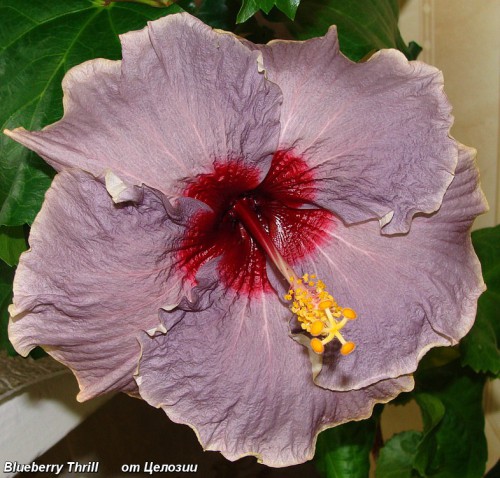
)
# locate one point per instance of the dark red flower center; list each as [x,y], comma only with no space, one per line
[277,203]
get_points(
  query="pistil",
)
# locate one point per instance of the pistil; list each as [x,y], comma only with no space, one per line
[254,227]
[315,308]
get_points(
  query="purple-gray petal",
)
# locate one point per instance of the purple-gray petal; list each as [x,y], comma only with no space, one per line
[375,133]
[183,96]
[233,373]
[411,292]
[95,277]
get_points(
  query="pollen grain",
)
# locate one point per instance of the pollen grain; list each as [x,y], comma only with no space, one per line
[318,313]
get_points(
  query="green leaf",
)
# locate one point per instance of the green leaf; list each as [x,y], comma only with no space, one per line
[453,443]
[397,456]
[6,278]
[364,26]
[250,7]
[39,41]
[344,451]
[480,347]
[433,411]
[12,244]
[288,7]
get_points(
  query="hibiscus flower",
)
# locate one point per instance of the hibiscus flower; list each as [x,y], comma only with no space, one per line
[223,210]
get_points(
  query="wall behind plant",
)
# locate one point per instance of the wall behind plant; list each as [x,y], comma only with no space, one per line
[462,39]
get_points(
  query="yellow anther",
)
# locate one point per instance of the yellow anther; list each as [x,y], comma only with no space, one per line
[316,328]
[347,348]
[349,313]
[317,346]
[325,304]
[318,313]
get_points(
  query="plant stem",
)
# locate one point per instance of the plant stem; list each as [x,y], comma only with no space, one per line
[378,443]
